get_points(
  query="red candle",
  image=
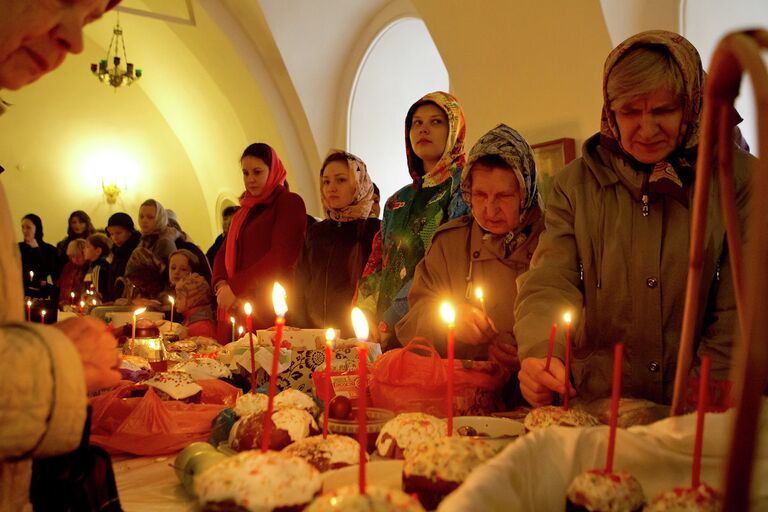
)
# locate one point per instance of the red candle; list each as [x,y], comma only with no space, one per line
[330,334]
[278,301]
[249,324]
[551,346]
[362,413]
[42,316]
[700,412]
[449,316]
[29,311]
[618,352]
[82,307]
[71,298]
[567,318]
[232,319]
[173,303]
[133,329]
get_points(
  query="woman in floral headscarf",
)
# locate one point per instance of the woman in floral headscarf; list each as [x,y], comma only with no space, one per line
[488,249]
[337,248]
[615,249]
[148,261]
[434,146]
[263,242]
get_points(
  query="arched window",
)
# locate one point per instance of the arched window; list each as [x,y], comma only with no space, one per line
[401,65]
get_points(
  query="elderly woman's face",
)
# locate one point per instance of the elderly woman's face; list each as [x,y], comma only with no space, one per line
[495,198]
[649,125]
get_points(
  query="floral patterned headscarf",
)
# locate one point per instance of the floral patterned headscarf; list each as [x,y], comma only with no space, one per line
[453,155]
[361,206]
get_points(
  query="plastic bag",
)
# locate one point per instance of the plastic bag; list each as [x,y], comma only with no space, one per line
[414,379]
[148,425]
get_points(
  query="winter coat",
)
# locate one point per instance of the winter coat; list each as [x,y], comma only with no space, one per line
[268,247]
[43,398]
[120,256]
[323,288]
[459,259]
[623,275]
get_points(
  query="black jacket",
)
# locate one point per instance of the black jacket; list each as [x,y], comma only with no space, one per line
[120,257]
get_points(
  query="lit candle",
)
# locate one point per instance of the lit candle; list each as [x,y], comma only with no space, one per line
[93,302]
[72,298]
[551,346]
[278,301]
[82,307]
[31,276]
[133,329]
[567,318]
[360,325]
[618,352]
[42,316]
[481,299]
[330,334]
[700,412]
[232,319]
[449,317]
[173,303]
[248,310]
[29,311]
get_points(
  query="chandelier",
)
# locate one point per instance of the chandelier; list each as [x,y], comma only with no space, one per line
[116,76]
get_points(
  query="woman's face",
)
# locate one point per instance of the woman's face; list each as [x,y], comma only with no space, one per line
[92,253]
[28,230]
[337,187]
[649,125]
[77,225]
[255,174]
[119,235]
[147,214]
[178,267]
[495,198]
[429,132]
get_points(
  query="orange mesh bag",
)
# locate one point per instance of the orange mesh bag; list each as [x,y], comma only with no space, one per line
[147,425]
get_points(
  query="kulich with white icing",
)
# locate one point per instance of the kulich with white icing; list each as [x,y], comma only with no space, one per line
[297,422]
[376,499]
[610,492]
[201,368]
[250,403]
[551,415]
[330,453]
[450,459]
[290,425]
[259,481]
[177,385]
[287,399]
[408,430]
[687,499]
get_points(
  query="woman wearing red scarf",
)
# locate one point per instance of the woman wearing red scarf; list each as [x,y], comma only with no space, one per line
[262,244]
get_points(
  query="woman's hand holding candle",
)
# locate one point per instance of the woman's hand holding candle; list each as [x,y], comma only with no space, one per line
[539,385]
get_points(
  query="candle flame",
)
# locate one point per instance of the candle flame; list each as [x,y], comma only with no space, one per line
[240,330]
[139,311]
[479,294]
[82,303]
[43,312]
[29,303]
[567,317]
[278,299]
[248,310]
[330,335]
[448,313]
[93,302]
[72,294]
[171,299]
[232,319]
[360,324]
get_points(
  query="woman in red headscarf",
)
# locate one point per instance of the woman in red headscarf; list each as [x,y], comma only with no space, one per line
[262,244]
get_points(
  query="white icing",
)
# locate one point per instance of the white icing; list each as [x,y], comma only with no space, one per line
[178,385]
[259,481]
[701,499]
[409,429]
[615,492]
[448,458]
[337,449]
[251,403]
[203,368]
[294,421]
[134,363]
[293,398]
[551,415]
[376,499]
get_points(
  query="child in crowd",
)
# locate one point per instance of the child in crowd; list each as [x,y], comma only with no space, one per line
[194,298]
[72,274]
[97,249]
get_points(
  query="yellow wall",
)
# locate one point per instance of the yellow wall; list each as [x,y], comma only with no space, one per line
[535,65]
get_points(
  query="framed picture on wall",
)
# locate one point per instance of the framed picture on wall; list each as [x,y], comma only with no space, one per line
[550,158]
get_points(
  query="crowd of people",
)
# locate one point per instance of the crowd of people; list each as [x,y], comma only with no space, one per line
[611,247]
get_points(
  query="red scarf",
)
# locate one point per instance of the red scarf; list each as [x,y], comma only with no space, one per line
[275,179]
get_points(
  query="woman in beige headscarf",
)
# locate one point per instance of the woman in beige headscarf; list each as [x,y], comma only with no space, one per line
[337,248]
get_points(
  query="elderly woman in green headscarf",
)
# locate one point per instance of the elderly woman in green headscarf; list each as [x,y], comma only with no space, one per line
[615,249]
[486,250]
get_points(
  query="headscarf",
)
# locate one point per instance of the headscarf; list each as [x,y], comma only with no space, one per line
[275,179]
[161,217]
[453,155]
[511,147]
[361,206]
[664,176]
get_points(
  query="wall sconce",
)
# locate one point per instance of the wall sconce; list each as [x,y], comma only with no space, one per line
[111,191]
